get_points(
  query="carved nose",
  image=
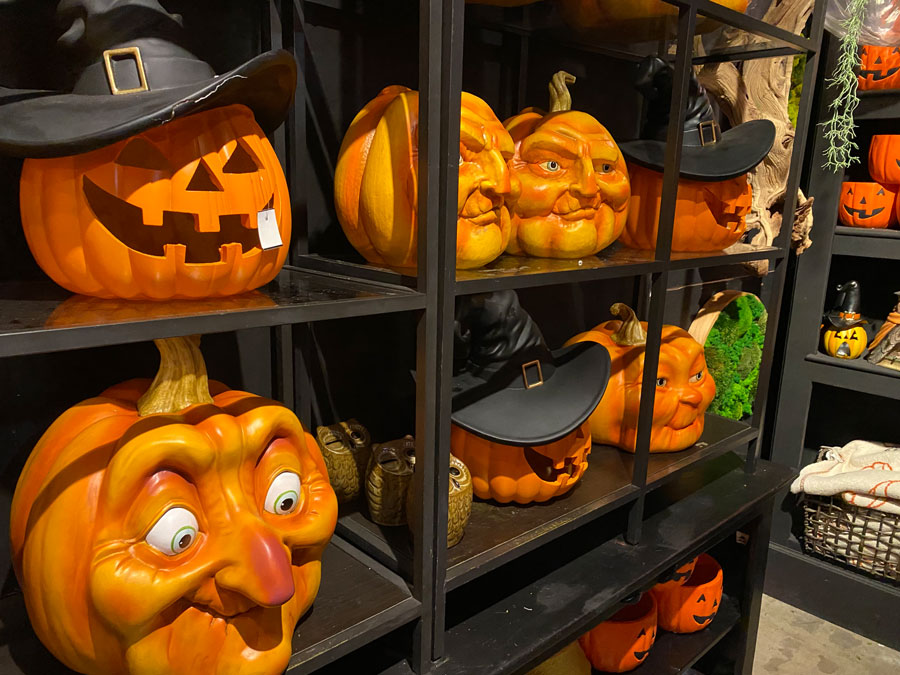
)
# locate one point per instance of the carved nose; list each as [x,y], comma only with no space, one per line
[204,180]
[691,396]
[261,569]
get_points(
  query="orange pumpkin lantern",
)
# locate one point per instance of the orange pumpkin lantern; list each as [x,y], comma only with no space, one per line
[884,159]
[173,212]
[574,182]
[171,530]
[879,67]
[679,575]
[867,205]
[621,643]
[709,216]
[509,473]
[376,189]
[684,387]
[692,606]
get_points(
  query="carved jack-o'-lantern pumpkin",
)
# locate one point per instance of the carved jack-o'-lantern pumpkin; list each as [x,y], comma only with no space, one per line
[509,473]
[845,343]
[679,575]
[709,216]
[684,387]
[884,159]
[376,189]
[621,643]
[693,605]
[879,67]
[574,182]
[867,205]
[168,530]
[172,212]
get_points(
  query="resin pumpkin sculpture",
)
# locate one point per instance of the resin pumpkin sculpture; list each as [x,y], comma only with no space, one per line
[376,189]
[574,182]
[684,387]
[867,205]
[172,527]
[845,343]
[621,643]
[172,212]
[693,605]
[709,216]
[879,67]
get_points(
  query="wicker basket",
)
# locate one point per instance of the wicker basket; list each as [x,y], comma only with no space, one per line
[862,539]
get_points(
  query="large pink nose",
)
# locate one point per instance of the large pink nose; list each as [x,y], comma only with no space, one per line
[260,568]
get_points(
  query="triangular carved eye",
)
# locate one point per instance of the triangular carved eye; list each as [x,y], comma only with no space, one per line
[896,50]
[881,193]
[849,191]
[142,154]
[203,180]
[715,603]
[241,161]
[702,598]
[643,632]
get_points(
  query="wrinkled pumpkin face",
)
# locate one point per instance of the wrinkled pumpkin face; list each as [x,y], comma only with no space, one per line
[709,216]
[879,67]
[169,213]
[693,606]
[845,343]
[180,543]
[575,186]
[622,643]
[507,473]
[866,205]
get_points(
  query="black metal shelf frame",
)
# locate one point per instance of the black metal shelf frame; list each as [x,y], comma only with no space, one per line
[313,288]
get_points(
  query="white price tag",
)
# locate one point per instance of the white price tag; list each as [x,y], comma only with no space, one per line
[267,227]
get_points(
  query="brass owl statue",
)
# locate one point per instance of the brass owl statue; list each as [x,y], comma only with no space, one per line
[346,448]
[388,478]
[459,504]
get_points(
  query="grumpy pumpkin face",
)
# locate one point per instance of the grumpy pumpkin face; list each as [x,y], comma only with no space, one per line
[172,212]
[180,543]
[575,185]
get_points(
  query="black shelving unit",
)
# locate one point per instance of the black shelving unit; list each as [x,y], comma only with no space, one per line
[334,337]
[811,381]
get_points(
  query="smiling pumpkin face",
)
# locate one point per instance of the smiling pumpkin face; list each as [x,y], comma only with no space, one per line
[623,642]
[879,67]
[184,543]
[169,213]
[692,606]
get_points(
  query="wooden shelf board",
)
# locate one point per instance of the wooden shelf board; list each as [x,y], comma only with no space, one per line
[867,243]
[857,374]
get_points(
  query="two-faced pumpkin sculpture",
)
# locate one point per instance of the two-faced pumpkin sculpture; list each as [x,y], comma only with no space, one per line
[684,386]
[520,411]
[175,526]
[714,195]
[152,178]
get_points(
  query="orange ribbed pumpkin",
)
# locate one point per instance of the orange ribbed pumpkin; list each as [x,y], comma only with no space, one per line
[708,216]
[884,159]
[879,67]
[168,213]
[509,473]
[574,181]
[693,605]
[182,542]
[621,644]
[684,386]
[376,188]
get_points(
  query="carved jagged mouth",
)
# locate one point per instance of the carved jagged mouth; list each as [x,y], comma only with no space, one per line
[862,214]
[125,222]
[543,466]
[704,619]
[640,656]
[877,75]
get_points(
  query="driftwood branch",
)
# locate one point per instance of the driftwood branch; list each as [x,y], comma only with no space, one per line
[760,89]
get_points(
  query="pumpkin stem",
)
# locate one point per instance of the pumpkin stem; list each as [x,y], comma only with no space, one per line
[630,332]
[181,380]
[560,98]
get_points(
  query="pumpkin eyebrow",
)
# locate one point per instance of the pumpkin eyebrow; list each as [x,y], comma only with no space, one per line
[472,136]
[551,142]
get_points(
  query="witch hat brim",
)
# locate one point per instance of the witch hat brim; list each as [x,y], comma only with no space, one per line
[33,125]
[841,320]
[507,412]
[737,151]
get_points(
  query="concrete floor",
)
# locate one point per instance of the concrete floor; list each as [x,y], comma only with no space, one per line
[792,642]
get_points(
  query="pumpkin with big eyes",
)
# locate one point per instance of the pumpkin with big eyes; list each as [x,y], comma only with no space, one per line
[693,605]
[172,529]
[621,644]
[879,67]
[867,205]
[574,182]
[684,387]
[376,181]
[172,212]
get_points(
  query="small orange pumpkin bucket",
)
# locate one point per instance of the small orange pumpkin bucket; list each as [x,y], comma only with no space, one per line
[691,607]
[679,575]
[621,643]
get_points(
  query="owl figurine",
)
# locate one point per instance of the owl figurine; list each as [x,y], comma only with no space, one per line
[388,478]
[459,504]
[346,448]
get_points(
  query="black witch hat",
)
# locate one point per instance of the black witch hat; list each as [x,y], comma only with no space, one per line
[707,153]
[845,312]
[133,72]
[508,386]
